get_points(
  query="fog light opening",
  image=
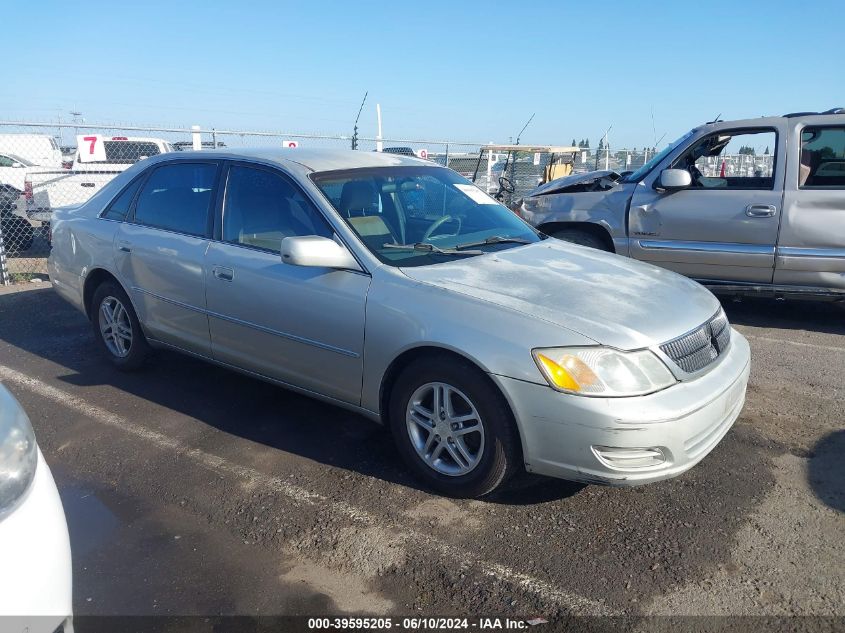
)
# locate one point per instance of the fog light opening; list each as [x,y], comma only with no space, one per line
[620,458]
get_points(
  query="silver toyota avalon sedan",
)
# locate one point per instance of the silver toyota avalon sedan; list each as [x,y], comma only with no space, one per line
[395,288]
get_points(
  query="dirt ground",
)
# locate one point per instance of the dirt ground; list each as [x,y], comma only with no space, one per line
[193,490]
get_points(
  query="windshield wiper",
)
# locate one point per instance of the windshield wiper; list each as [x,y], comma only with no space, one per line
[431,248]
[494,239]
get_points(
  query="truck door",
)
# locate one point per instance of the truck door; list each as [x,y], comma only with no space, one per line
[811,248]
[724,226]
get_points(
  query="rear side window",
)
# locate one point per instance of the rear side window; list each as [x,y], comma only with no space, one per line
[822,163]
[177,198]
[120,207]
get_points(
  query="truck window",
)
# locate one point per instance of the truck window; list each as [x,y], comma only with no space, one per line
[822,163]
[741,159]
[129,152]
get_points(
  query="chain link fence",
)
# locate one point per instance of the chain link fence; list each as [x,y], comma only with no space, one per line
[44,166]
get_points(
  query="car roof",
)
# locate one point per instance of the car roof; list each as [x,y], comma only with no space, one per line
[306,158]
[833,117]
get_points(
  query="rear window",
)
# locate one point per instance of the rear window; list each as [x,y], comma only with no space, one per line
[177,198]
[129,152]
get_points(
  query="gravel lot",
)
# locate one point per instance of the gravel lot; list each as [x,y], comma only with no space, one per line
[193,490]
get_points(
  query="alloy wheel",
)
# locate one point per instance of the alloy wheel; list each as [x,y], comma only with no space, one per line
[115,326]
[445,428]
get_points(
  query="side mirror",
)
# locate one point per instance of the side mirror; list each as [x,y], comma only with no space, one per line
[17,165]
[673,180]
[318,252]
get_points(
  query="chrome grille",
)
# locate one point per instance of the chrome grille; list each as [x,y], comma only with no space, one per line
[695,350]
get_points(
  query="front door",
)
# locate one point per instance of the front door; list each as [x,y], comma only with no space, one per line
[302,326]
[725,226]
[160,252]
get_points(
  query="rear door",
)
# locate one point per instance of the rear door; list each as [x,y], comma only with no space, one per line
[725,226]
[302,326]
[811,249]
[160,252]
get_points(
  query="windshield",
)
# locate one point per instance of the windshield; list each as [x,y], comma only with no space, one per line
[413,216]
[642,171]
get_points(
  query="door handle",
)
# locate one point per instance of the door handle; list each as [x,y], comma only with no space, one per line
[223,273]
[126,247]
[760,210]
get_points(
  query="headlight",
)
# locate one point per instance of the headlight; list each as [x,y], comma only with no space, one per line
[602,371]
[18,451]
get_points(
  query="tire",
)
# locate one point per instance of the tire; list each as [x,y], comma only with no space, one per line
[583,238]
[18,234]
[494,451]
[124,355]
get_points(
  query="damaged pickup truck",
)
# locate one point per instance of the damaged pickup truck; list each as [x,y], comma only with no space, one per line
[748,207]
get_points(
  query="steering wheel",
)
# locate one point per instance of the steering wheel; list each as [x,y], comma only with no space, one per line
[696,175]
[505,186]
[440,222]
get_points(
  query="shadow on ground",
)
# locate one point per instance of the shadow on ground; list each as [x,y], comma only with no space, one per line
[40,323]
[814,316]
[826,470]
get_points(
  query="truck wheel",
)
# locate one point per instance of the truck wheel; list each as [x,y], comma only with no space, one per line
[453,428]
[17,234]
[584,238]
[117,329]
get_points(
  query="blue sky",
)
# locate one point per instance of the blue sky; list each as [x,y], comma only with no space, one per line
[441,70]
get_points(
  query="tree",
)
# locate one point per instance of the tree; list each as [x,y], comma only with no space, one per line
[767,150]
[586,142]
[601,144]
[574,144]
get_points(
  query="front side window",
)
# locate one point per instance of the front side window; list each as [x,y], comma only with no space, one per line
[642,172]
[413,216]
[177,197]
[822,162]
[5,161]
[742,159]
[262,208]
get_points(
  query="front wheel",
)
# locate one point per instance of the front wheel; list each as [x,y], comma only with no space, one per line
[453,427]
[116,327]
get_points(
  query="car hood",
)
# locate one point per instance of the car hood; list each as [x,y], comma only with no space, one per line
[610,299]
[560,185]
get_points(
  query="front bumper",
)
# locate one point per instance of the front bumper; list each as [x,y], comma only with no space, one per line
[35,574]
[629,441]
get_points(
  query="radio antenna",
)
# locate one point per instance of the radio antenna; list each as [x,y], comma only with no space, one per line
[519,136]
[355,129]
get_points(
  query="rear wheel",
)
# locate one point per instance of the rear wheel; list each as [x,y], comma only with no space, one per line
[584,238]
[453,427]
[116,327]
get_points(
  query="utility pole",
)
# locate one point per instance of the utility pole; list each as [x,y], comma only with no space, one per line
[355,129]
